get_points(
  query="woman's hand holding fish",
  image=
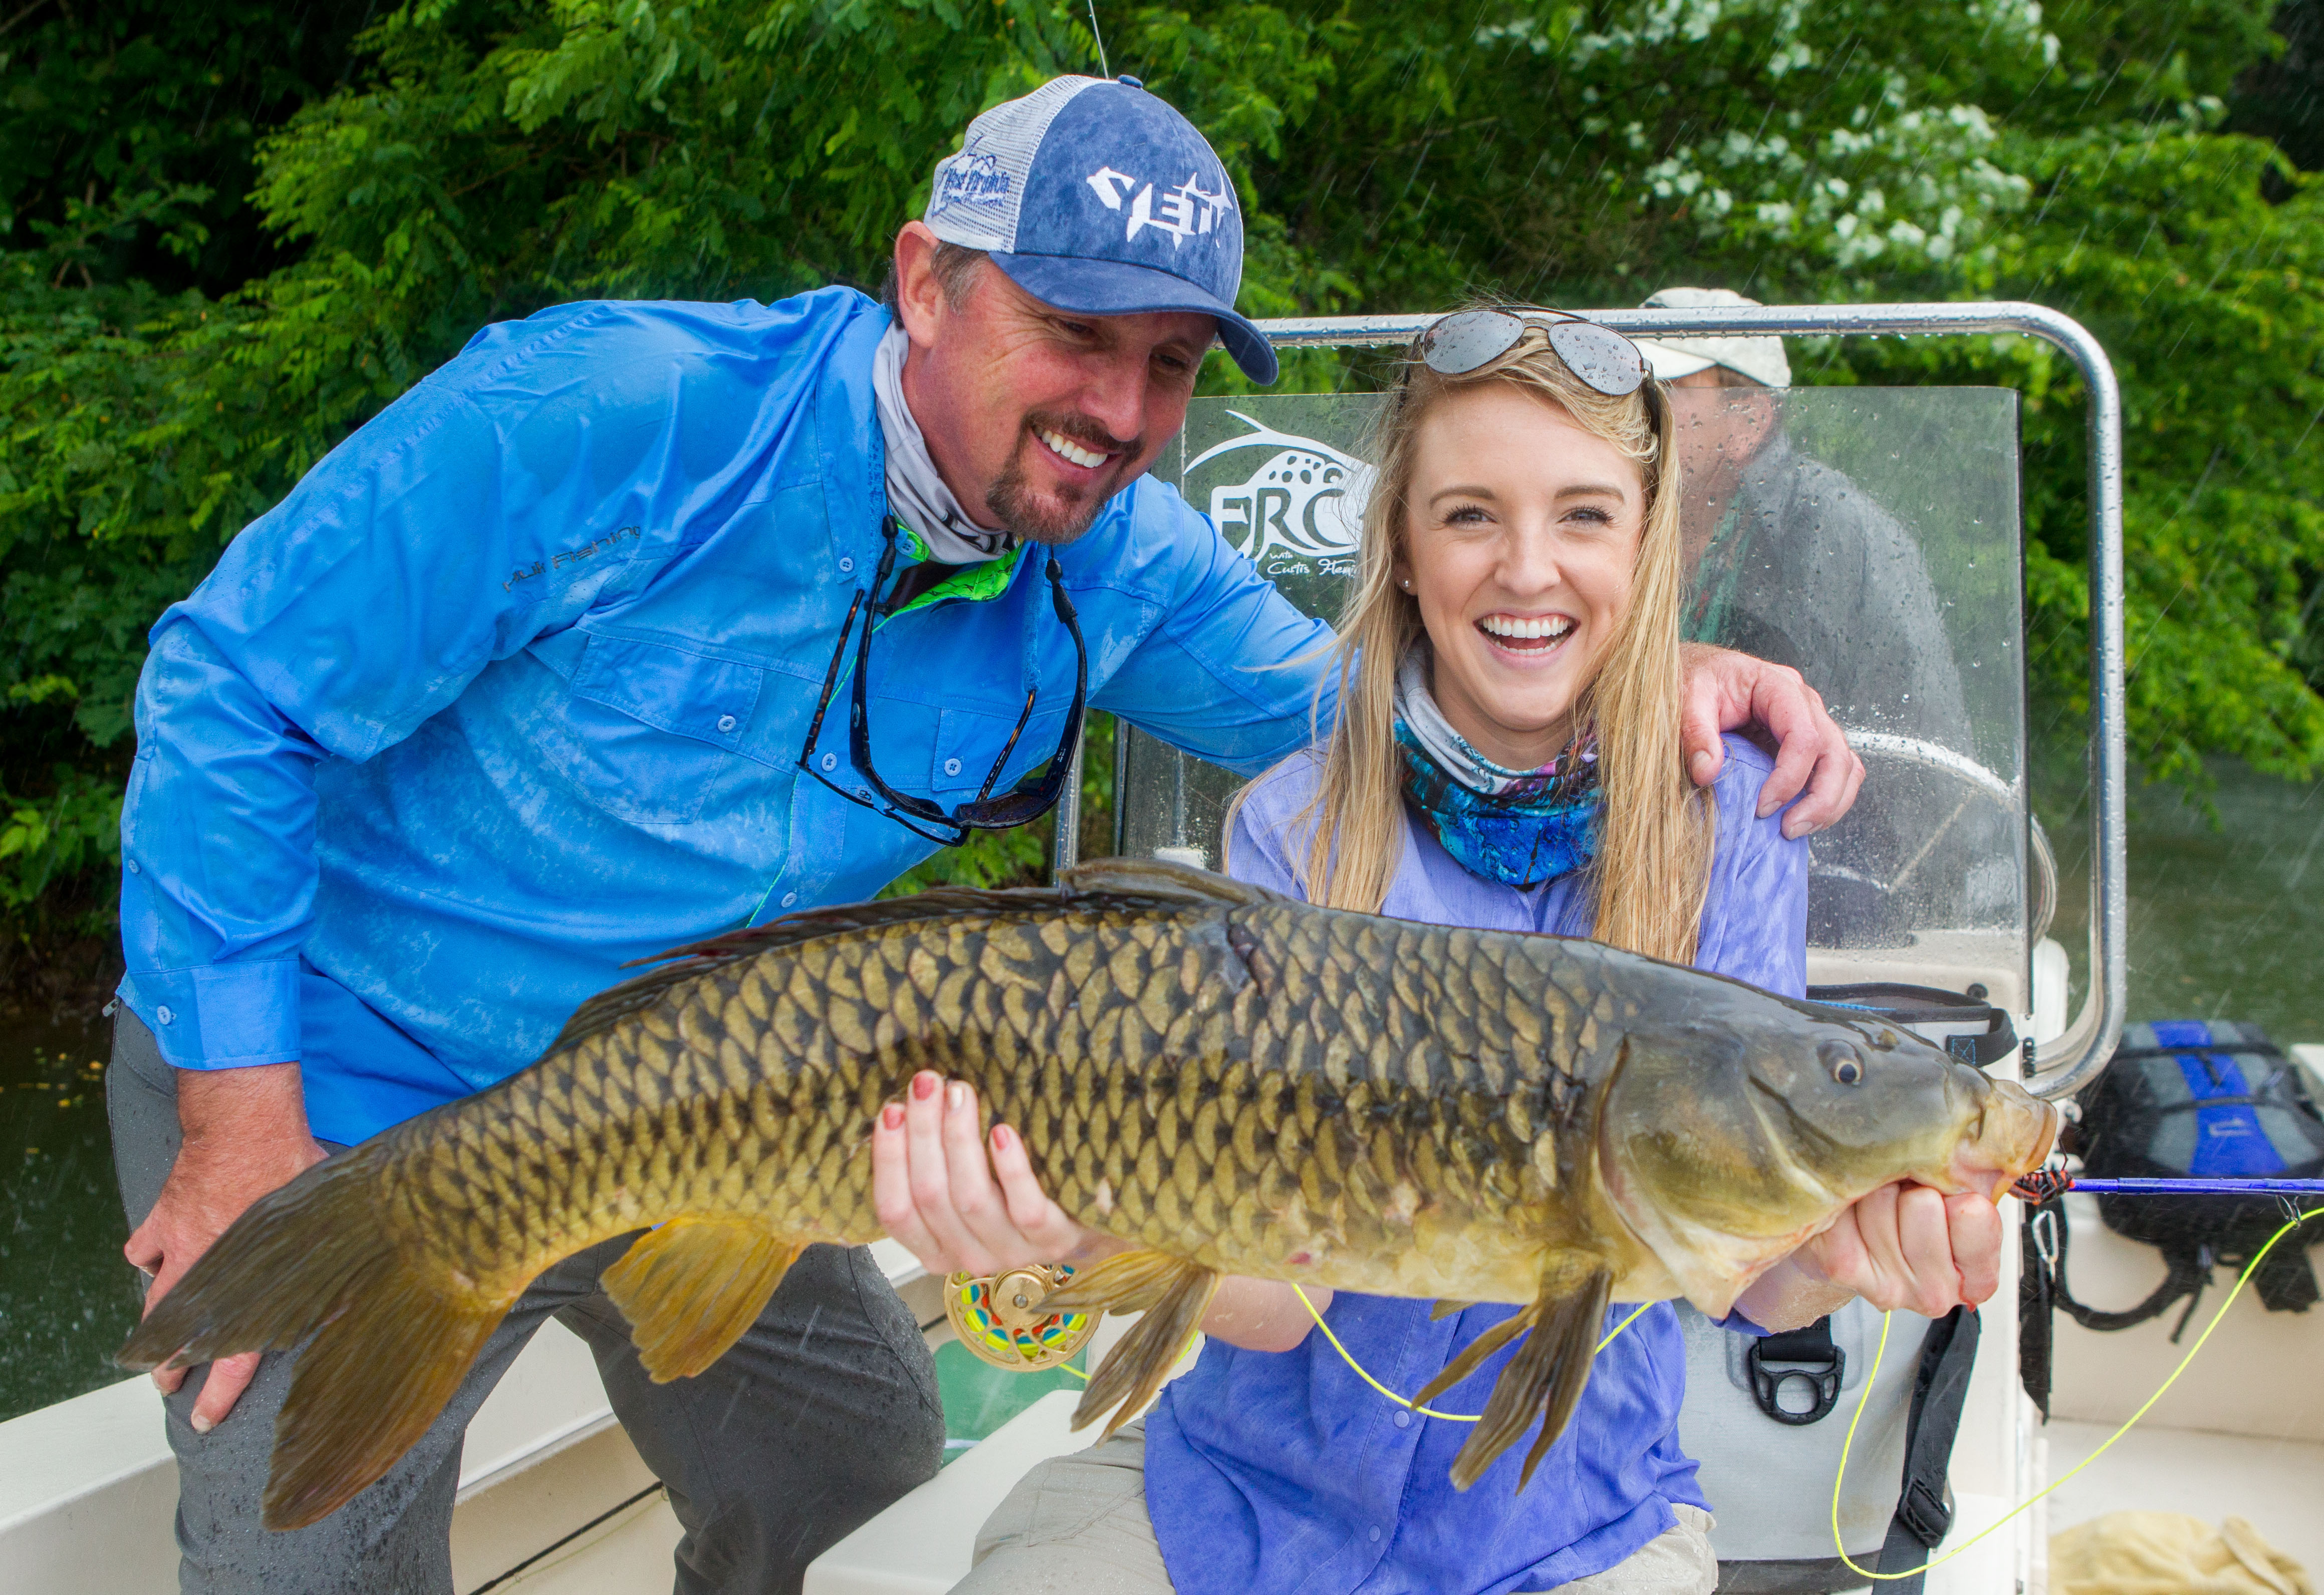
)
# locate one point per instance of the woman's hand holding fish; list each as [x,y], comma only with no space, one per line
[959,1210]
[1904,1246]
[935,1190]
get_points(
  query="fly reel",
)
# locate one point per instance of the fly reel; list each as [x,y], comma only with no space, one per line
[998,1318]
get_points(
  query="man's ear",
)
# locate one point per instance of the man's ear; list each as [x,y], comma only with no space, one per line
[919,294]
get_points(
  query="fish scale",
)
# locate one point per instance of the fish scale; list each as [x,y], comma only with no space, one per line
[1223,1079]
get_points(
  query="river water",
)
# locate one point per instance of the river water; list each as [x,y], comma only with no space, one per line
[2227,921]
[68,1298]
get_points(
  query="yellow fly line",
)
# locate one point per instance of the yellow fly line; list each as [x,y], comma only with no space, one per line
[2216,1318]
[1424,1411]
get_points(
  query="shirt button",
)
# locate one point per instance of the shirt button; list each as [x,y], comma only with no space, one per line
[726,722]
[164,1014]
[952,767]
[1404,1420]
[846,563]
[134,870]
[831,761]
[789,898]
[1372,1534]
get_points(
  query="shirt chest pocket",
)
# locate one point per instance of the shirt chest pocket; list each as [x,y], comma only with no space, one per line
[653,734]
[968,740]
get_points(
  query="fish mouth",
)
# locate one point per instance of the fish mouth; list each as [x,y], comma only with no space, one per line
[2013,1136]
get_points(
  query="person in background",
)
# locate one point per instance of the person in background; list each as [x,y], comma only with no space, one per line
[1790,561]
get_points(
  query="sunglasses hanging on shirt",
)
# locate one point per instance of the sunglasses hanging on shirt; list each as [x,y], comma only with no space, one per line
[1029,799]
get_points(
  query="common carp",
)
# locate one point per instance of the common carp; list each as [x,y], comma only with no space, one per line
[1230,1081]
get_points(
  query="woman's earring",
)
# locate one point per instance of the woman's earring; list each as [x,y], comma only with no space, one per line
[1405,584]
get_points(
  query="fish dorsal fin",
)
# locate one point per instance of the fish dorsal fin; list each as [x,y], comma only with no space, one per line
[1128,883]
[1150,880]
[691,1287]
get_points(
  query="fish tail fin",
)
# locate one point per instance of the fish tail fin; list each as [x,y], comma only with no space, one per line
[1545,1379]
[389,1335]
[1173,1294]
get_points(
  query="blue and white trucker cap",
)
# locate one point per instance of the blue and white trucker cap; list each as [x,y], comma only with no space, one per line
[1097,198]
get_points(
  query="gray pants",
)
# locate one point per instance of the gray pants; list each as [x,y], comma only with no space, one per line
[1078,1526]
[823,1412]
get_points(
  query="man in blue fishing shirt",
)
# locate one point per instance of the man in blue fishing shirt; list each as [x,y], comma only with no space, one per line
[561,662]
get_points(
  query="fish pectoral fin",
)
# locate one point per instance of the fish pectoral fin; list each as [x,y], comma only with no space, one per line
[1446,1308]
[1134,1370]
[1544,1379]
[1126,1282]
[690,1287]
[1477,1350]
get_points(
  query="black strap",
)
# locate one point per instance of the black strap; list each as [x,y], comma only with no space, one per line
[1924,1509]
[2187,1273]
[2037,1298]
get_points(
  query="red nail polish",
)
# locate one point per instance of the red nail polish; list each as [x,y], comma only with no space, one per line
[924,1086]
[999,1138]
[892,1116]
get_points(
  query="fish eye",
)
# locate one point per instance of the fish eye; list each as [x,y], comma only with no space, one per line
[1840,1058]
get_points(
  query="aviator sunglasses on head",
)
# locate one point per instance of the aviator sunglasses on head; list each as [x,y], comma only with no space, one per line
[1466,341]
[1029,799]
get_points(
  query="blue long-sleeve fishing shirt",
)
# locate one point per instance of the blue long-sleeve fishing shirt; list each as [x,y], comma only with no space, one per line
[512,687]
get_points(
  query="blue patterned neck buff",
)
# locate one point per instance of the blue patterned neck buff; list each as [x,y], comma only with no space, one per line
[1519,827]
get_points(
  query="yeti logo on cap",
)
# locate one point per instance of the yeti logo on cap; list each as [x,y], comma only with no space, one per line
[1186,210]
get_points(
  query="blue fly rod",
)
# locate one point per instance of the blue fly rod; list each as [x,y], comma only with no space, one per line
[2047,1183]
[2201,1187]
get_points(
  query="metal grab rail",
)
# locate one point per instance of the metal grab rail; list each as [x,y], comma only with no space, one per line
[2066,1064]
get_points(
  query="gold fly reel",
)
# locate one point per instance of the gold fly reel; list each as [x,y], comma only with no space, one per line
[998,1318]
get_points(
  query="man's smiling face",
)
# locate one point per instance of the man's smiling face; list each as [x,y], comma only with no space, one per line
[1036,416]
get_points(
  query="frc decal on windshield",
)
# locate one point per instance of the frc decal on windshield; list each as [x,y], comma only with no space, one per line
[1300,510]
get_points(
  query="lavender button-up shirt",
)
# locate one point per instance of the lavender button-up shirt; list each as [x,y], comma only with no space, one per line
[1284,1472]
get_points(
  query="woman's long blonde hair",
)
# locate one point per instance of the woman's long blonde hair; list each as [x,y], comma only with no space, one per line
[1655,831]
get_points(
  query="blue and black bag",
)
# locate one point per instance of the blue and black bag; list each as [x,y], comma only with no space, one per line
[2183,1096]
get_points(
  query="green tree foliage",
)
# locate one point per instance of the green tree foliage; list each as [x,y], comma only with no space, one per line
[128,130]
[196,303]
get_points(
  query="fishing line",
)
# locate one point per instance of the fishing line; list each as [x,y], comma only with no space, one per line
[1430,1411]
[1864,1400]
[1839,1480]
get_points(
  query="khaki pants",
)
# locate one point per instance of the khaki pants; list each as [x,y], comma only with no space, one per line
[1078,1526]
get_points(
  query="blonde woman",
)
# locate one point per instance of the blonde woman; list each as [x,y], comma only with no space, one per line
[1507,755]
